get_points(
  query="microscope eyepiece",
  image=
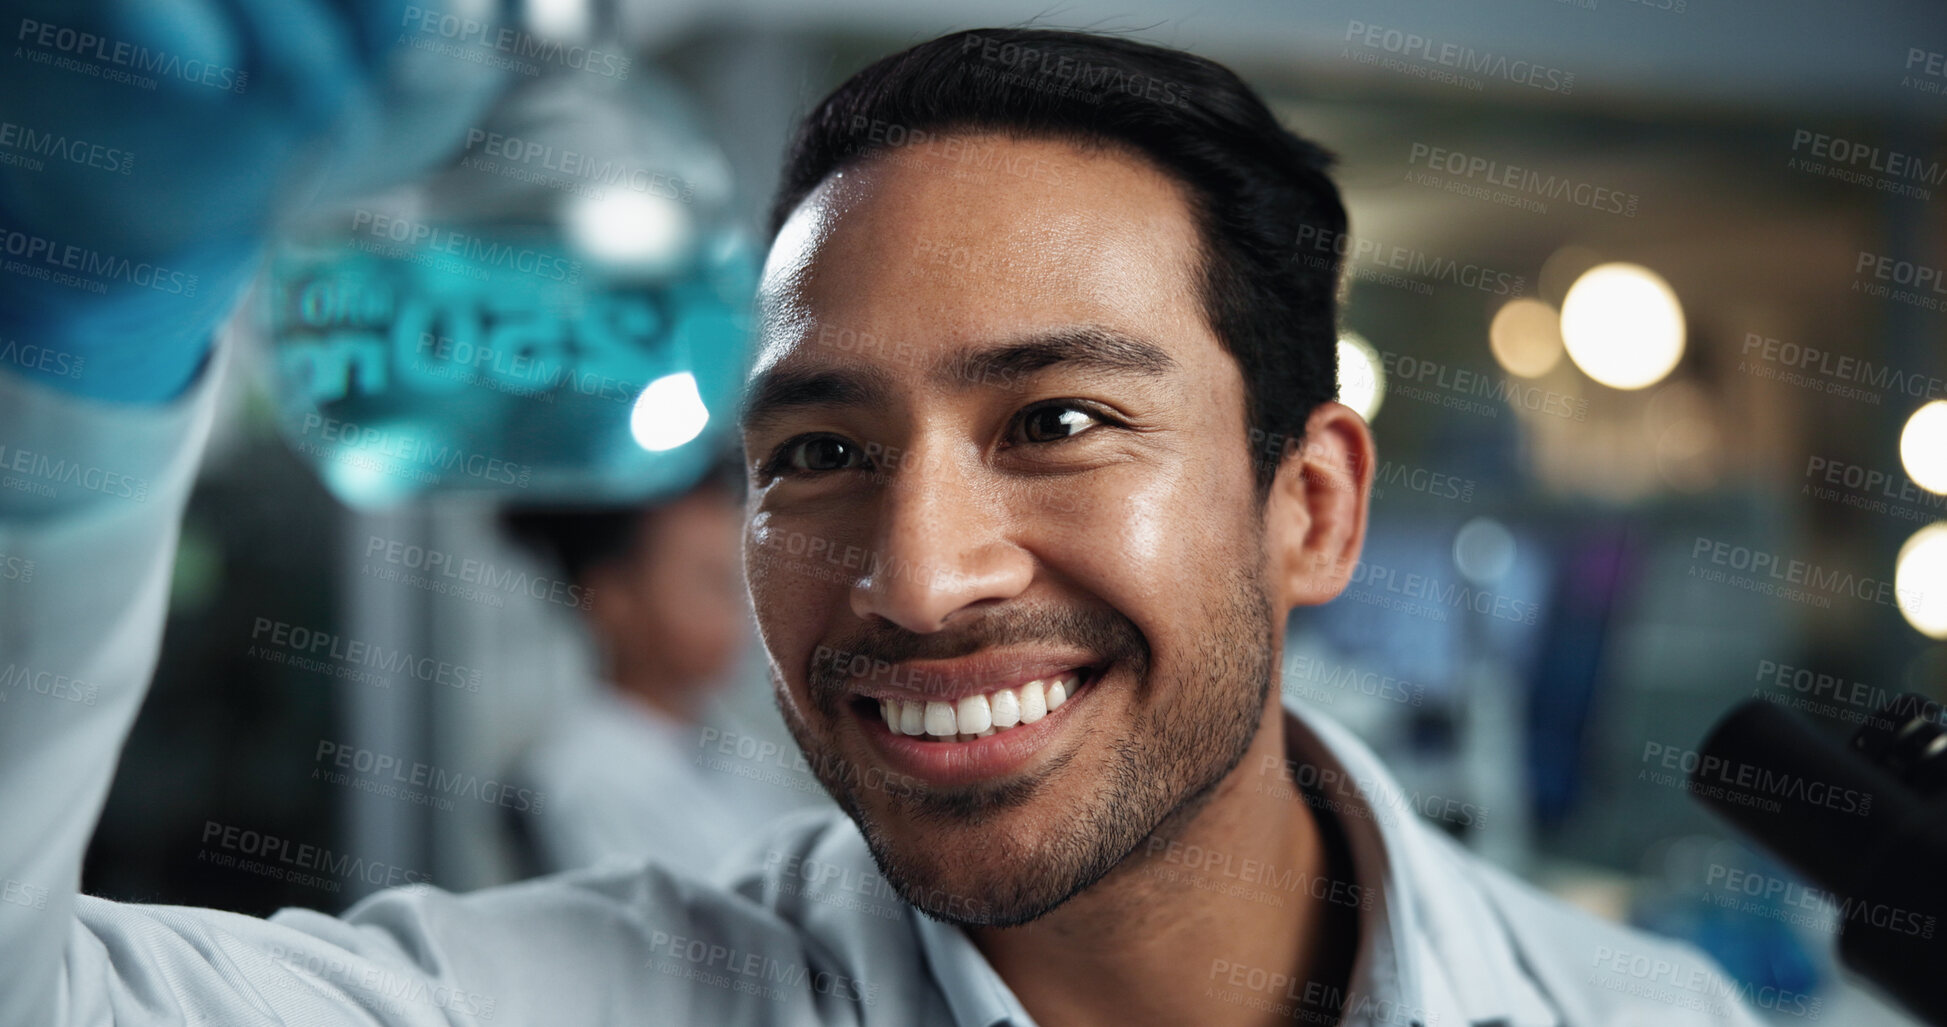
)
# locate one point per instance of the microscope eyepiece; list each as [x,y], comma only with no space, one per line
[1865,821]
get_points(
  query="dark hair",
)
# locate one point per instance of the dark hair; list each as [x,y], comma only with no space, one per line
[1257,190]
[577,539]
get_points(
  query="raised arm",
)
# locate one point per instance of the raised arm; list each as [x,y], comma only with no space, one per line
[145,150]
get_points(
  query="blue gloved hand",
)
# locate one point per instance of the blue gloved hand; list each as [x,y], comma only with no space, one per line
[147,149]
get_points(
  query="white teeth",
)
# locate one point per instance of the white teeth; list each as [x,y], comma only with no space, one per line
[974,715]
[1034,703]
[939,720]
[978,716]
[1005,707]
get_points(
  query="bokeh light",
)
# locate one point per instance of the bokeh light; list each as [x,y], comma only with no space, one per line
[561,19]
[639,231]
[1483,550]
[1923,446]
[1920,580]
[1526,337]
[669,413]
[1362,380]
[1623,326]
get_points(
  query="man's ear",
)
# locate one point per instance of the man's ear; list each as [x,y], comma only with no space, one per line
[1315,515]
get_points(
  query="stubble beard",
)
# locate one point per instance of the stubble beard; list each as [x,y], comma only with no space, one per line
[1194,731]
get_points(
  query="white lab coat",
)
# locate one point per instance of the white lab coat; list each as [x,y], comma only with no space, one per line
[804,932]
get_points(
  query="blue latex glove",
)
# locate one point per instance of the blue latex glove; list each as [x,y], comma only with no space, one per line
[148,146]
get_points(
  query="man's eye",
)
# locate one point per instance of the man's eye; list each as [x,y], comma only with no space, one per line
[818,453]
[1055,422]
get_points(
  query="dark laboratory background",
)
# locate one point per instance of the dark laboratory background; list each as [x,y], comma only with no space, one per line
[1645,305]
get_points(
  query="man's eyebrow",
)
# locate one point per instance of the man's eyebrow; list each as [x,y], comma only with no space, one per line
[1087,347]
[783,388]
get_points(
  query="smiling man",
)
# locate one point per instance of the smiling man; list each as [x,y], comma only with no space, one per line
[1042,452]
[1034,304]
[1071,573]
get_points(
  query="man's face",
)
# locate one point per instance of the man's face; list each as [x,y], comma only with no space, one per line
[995,447]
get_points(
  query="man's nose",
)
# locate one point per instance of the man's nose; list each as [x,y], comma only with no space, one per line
[941,545]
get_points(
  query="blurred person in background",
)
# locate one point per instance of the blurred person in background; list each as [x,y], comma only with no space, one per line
[668,623]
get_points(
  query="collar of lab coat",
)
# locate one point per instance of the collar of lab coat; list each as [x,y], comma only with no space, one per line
[1433,951]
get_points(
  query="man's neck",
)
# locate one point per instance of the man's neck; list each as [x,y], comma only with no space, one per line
[1209,922]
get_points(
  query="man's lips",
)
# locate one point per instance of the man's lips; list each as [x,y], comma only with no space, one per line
[961,758]
[982,713]
[949,681]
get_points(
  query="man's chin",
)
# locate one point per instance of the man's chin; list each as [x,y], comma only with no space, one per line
[968,896]
[994,875]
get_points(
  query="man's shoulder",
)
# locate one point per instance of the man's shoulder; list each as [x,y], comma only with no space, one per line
[740,944]
[760,891]
[807,874]
[1595,970]
[615,906]
[1502,946]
